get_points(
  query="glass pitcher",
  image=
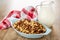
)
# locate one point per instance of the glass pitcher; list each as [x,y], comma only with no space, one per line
[46,13]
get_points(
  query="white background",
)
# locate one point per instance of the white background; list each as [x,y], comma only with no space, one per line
[7,5]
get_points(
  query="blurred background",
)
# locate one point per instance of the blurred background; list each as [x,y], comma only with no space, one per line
[7,5]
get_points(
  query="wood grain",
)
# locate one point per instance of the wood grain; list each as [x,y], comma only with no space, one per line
[2,33]
[10,35]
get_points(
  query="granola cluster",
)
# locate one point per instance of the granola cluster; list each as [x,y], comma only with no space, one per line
[29,27]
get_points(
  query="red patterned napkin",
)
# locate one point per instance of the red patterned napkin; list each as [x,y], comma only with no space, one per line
[27,12]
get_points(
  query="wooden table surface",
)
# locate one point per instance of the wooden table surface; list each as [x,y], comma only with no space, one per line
[10,34]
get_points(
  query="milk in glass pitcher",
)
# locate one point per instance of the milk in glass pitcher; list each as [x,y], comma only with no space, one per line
[46,13]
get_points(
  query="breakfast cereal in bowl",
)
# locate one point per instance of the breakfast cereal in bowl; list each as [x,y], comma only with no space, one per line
[30,29]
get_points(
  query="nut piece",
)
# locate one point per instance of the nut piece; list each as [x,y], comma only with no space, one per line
[14,25]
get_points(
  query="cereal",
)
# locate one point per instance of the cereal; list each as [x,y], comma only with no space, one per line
[29,27]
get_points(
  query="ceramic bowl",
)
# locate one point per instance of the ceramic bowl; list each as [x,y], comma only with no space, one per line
[48,30]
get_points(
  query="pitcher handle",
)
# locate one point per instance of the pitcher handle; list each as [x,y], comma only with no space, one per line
[49,3]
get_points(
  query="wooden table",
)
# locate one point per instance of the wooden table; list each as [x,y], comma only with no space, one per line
[10,34]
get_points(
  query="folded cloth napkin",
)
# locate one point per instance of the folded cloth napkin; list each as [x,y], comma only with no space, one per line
[27,12]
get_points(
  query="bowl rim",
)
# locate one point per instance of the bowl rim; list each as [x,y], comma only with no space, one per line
[45,26]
